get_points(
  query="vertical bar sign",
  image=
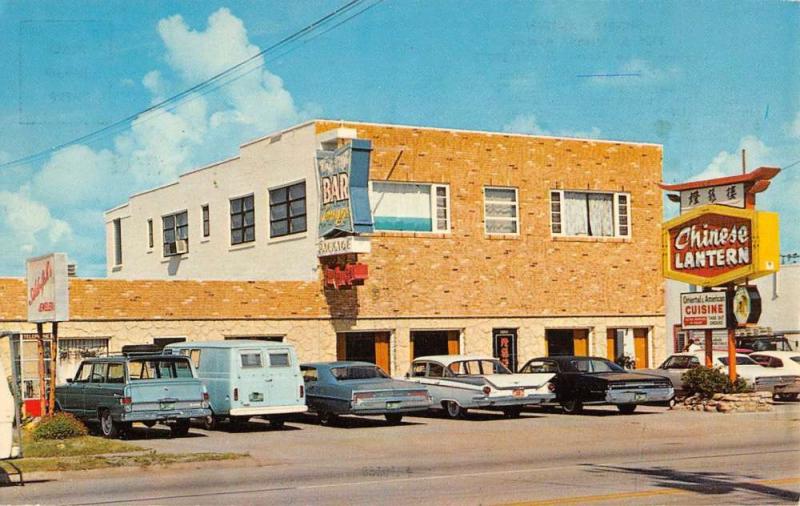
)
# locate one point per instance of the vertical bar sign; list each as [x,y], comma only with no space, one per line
[335,213]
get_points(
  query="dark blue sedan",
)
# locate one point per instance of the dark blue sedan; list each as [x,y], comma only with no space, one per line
[359,388]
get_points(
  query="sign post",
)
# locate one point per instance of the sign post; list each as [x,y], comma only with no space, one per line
[721,241]
[48,301]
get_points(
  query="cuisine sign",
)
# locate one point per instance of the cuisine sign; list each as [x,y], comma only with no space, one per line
[704,310]
[714,245]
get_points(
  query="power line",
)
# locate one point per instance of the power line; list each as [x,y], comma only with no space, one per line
[173,101]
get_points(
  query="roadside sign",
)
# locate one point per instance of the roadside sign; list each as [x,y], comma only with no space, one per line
[47,288]
[746,305]
[704,310]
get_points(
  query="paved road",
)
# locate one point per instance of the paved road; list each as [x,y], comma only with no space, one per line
[652,457]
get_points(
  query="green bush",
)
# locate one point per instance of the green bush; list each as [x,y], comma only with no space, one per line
[709,381]
[59,426]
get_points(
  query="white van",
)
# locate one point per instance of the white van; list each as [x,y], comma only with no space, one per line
[247,378]
[7,448]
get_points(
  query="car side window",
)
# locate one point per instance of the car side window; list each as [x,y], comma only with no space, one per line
[580,365]
[183,369]
[694,362]
[116,373]
[250,359]
[98,373]
[418,370]
[84,373]
[309,374]
[435,370]
[539,366]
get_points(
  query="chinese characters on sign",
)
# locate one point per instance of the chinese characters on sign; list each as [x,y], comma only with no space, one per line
[729,195]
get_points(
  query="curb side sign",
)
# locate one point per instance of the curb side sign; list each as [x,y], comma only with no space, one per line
[704,310]
[47,288]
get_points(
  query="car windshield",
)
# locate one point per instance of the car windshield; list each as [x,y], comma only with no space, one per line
[796,359]
[357,372]
[477,366]
[739,361]
[539,366]
[149,369]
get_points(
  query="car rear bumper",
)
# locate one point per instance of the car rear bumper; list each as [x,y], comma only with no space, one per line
[389,405]
[778,385]
[176,414]
[268,410]
[510,400]
[636,396]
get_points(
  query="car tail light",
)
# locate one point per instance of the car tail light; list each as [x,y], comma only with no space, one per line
[418,393]
[487,390]
[235,394]
[551,387]
[125,401]
[302,391]
[360,396]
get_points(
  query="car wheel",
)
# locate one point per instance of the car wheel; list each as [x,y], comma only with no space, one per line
[513,412]
[239,421]
[626,409]
[108,427]
[327,418]
[572,406]
[453,410]
[787,397]
[210,422]
[179,428]
[277,422]
[393,418]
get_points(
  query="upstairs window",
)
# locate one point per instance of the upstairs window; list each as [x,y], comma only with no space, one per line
[243,225]
[500,210]
[206,221]
[176,233]
[589,214]
[287,210]
[410,207]
[150,234]
[118,242]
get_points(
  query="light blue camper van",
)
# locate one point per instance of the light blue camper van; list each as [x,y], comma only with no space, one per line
[247,378]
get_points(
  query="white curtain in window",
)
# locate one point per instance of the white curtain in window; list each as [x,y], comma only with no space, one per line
[601,215]
[401,200]
[573,214]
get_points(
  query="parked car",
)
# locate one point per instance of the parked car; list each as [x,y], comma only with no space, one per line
[7,449]
[582,381]
[458,383]
[749,344]
[786,387]
[760,378]
[247,378]
[360,388]
[120,390]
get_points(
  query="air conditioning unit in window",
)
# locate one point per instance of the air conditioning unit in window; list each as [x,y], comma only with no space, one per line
[181,246]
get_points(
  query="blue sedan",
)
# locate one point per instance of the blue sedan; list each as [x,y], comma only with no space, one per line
[359,388]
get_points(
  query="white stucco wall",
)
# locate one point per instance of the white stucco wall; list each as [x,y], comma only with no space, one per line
[284,158]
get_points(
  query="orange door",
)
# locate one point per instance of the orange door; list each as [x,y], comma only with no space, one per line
[382,350]
[341,347]
[452,343]
[611,344]
[580,342]
[640,348]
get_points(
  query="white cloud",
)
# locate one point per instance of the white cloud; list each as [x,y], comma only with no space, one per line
[635,72]
[61,208]
[730,163]
[528,124]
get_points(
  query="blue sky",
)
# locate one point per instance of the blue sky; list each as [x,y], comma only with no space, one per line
[708,78]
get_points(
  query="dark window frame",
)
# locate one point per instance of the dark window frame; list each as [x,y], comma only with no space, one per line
[239,210]
[150,241]
[280,204]
[118,241]
[205,213]
[178,232]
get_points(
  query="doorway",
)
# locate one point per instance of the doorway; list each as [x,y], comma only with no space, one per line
[641,348]
[434,342]
[567,342]
[370,347]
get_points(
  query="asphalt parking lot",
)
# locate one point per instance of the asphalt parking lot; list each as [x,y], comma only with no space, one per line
[654,456]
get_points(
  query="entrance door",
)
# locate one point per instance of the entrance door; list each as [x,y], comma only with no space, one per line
[559,342]
[580,338]
[364,347]
[505,347]
[434,342]
[641,348]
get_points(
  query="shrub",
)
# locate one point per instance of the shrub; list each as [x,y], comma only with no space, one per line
[59,426]
[709,381]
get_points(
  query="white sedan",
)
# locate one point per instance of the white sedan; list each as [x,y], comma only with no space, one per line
[460,382]
[786,368]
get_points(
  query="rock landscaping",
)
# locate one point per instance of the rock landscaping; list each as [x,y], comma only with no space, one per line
[726,403]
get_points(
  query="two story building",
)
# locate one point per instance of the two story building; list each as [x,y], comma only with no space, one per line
[482,242]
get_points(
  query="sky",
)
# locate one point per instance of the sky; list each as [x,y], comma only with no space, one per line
[704,79]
